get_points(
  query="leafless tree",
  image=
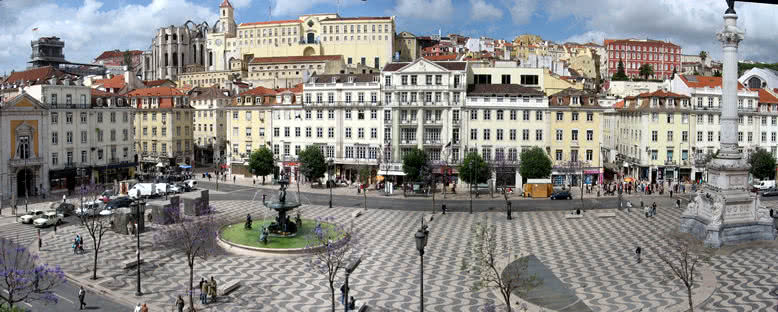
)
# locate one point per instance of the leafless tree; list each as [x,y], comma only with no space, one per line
[95,223]
[332,247]
[505,171]
[495,266]
[193,237]
[682,255]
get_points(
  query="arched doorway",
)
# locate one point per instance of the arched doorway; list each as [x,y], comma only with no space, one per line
[311,38]
[309,51]
[24,183]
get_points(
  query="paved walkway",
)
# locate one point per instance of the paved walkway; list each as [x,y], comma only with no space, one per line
[592,256]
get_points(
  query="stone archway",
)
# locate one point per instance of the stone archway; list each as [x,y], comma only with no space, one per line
[309,51]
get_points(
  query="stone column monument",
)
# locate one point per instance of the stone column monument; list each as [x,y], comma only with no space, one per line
[724,211]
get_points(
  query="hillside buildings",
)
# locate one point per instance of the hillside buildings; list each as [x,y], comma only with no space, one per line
[664,57]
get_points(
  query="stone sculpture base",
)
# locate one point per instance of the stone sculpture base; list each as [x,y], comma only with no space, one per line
[724,212]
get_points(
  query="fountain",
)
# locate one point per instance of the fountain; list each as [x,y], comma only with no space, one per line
[282,226]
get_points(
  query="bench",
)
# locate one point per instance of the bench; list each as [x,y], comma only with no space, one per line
[573,216]
[131,263]
[606,215]
[356,214]
[228,287]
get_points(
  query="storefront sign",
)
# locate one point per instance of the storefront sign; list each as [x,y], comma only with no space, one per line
[592,171]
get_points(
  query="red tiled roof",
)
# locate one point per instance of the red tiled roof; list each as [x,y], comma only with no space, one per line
[361,18]
[449,57]
[156,91]
[41,74]
[156,83]
[271,22]
[705,82]
[225,4]
[115,82]
[293,59]
[619,104]
[267,91]
[96,92]
[661,93]
[117,53]
[766,97]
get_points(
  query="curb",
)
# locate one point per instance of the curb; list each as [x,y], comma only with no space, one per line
[98,289]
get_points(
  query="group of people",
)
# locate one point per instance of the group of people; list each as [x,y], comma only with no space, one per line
[78,244]
[141,308]
[650,211]
[208,290]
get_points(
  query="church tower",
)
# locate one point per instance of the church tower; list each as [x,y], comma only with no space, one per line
[227,18]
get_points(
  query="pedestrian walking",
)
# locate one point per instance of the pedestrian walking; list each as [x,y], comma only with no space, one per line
[653,209]
[233,179]
[81,298]
[137,308]
[212,290]
[678,203]
[144,308]
[343,294]
[180,304]
[40,241]
[647,211]
[55,227]
[671,193]
[203,292]
[64,198]
[637,254]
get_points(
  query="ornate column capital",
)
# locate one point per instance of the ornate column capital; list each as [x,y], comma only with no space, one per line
[730,34]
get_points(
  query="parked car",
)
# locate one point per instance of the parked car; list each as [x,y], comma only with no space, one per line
[119,202]
[191,183]
[31,216]
[174,189]
[144,190]
[48,219]
[764,185]
[770,192]
[65,209]
[563,194]
[89,208]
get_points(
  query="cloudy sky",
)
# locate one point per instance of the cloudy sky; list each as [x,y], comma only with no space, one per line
[92,26]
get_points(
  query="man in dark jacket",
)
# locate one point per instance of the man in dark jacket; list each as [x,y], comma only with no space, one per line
[81,297]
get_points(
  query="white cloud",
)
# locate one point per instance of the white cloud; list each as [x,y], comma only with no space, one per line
[521,10]
[484,11]
[691,24]
[295,7]
[240,3]
[88,29]
[424,10]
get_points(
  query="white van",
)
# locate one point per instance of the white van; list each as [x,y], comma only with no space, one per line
[763,185]
[143,190]
[161,188]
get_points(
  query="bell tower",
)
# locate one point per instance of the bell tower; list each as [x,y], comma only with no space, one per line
[227,18]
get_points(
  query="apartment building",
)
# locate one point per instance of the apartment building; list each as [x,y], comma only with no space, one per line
[247,121]
[163,127]
[209,123]
[499,120]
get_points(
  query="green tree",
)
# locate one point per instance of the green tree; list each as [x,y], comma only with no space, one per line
[127,61]
[474,169]
[261,162]
[762,164]
[535,164]
[646,70]
[415,165]
[620,75]
[703,55]
[312,163]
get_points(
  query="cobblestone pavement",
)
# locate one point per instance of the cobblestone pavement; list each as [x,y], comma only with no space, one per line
[593,256]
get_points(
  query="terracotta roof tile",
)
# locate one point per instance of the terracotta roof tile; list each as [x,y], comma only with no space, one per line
[271,22]
[361,18]
[447,57]
[156,83]
[767,97]
[619,104]
[40,74]
[115,82]
[156,91]
[96,92]
[293,59]
[693,81]
[502,89]
[225,4]
[661,93]
[117,53]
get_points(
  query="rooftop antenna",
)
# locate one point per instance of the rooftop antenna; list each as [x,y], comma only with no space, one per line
[270,10]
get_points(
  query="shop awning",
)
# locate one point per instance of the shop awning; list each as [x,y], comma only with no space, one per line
[391,173]
[185,166]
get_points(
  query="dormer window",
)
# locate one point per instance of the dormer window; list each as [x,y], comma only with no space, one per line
[654,102]
[350,79]
[258,100]
[240,100]
[248,99]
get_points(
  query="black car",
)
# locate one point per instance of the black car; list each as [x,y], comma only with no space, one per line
[121,202]
[770,192]
[65,209]
[564,194]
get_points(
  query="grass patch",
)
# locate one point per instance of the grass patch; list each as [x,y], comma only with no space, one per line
[235,233]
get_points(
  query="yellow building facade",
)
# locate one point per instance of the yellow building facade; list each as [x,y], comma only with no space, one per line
[163,127]
[364,40]
[575,137]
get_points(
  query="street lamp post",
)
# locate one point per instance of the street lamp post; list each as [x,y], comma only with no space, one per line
[421,237]
[330,164]
[137,235]
[349,269]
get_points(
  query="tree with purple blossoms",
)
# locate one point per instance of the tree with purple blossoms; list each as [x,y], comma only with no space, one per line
[23,278]
[194,237]
[95,223]
[332,247]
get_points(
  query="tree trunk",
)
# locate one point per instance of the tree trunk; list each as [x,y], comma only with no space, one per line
[94,268]
[507,297]
[689,294]
[263,180]
[191,281]
[332,296]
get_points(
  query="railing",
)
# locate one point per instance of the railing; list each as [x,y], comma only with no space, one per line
[424,86]
[670,163]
